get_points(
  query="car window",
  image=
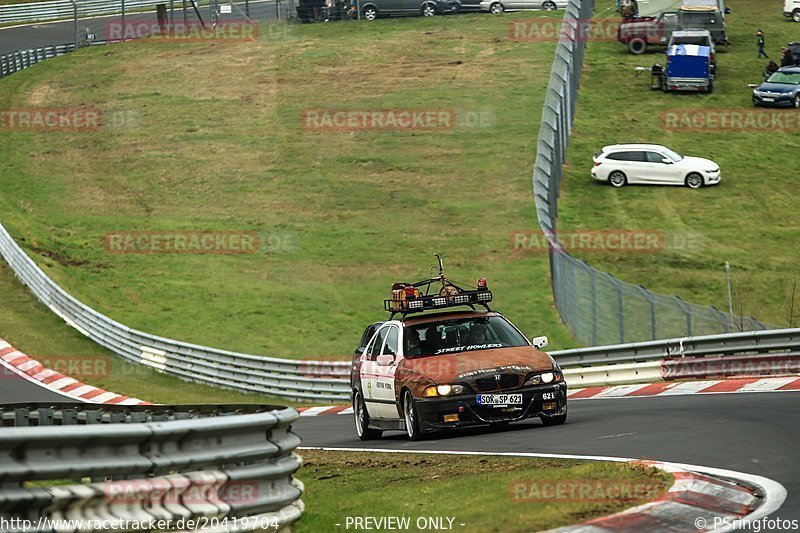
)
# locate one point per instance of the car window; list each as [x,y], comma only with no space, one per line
[456,335]
[627,156]
[785,77]
[654,157]
[698,19]
[390,347]
[377,344]
[368,333]
[671,19]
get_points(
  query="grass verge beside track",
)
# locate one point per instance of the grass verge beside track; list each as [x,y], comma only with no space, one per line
[212,139]
[478,492]
[747,220]
[37,332]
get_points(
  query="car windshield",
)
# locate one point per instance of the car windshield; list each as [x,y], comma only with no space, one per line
[675,156]
[462,334]
[688,39]
[792,78]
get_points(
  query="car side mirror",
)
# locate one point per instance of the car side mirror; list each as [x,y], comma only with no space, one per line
[539,342]
[385,360]
[666,161]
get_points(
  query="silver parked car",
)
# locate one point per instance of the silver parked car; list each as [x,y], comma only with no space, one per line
[499,6]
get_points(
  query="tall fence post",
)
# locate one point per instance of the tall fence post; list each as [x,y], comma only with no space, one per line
[686,309]
[649,297]
[75,22]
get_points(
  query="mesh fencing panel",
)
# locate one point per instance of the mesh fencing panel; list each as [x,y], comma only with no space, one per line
[597,307]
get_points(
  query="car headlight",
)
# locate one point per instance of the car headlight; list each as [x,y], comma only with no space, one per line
[545,377]
[442,390]
[711,171]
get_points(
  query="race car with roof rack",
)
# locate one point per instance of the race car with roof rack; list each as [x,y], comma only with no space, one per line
[445,360]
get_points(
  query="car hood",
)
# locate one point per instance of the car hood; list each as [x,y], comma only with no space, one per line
[694,162]
[778,88]
[466,367]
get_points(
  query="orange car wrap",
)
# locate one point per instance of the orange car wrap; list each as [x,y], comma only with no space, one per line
[417,373]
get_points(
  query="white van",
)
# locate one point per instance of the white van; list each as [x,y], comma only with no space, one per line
[791,8]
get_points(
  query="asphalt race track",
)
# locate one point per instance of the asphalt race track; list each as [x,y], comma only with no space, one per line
[13,388]
[756,433]
[49,33]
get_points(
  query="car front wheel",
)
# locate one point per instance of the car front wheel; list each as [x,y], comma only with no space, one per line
[617,179]
[694,180]
[796,15]
[411,417]
[549,6]
[797,101]
[556,420]
[428,10]
[363,430]
[370,13]
[497,8]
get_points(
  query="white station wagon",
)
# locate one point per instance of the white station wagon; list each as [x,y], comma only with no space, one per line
[652,164]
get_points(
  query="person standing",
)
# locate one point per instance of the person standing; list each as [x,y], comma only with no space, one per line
[787,60]
[760,42]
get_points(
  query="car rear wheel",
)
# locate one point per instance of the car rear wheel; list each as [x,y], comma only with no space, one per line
[411,416]
[797,101]
[370,13]
[497,8]
[637,46]
[617,179]
[428,10]
[549,6]
[556,420]
[363,430]
[694,180]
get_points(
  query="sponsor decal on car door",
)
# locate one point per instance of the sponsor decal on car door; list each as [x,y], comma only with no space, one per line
[369,370]
[384,391]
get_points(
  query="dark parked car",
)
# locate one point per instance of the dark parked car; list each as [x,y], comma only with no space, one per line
[468,6]
[782,89]
[372,9]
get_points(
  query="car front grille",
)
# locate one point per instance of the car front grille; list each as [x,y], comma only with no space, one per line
[506,381]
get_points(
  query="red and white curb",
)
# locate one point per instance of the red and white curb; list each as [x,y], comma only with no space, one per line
[701,499]
[695,502]
[733,385]
[724,386]
[72,389]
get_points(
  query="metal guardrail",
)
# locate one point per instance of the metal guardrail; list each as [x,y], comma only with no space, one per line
[16,61]
[230,464]
[300,380]
[746,343]
[67,9]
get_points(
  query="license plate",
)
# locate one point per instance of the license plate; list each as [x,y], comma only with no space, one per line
[499,399]
[768,99]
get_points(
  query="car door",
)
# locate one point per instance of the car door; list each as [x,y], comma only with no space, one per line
[659,171]
[384,388]
[409,7]
[634,166]
[369,372]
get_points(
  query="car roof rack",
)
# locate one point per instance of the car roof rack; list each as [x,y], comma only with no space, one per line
[436,292]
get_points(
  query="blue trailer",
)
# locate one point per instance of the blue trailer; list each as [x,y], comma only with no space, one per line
[688,69]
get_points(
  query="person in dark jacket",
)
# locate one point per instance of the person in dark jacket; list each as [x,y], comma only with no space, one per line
[787,59]
[761,44]
[772,67]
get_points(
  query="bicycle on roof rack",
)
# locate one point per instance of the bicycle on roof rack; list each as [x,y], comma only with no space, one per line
[436,292]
